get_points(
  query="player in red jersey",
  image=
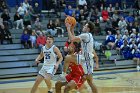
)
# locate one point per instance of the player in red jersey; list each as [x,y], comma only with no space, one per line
[74,79]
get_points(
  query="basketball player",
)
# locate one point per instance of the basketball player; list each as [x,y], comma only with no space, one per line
[74,79]
[50,53]
[86,40]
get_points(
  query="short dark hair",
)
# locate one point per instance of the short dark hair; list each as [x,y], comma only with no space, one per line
[50,37]
[91,26]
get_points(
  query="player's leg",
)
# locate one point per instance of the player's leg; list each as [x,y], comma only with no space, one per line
[37,82]
[48,81]
[91,83]
[71,85]
[58,86]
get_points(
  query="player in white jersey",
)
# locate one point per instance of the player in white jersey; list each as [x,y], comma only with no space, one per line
[50,53]
[86,40]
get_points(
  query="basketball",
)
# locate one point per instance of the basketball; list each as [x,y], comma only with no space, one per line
[70,20]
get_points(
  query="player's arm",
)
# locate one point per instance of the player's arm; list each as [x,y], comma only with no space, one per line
[59,55]
[71,35]
[66,64]
[40,56]
[96,58]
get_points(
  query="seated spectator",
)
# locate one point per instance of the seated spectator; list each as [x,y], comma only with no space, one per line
[37,11]
[118,43]
[81,3]
[93,16]
[3,6]
[132,45]
[6,18]
[110,9]
[136,57]
[41,41]
[5,34]
[29,29]
[117,7]
[58,28]
[33,39]
[86,12]
[108,26]
[26,5]
[130,19]
[115,16]
[18,20]
[122,24]
[21,10]
[125,50]
[51,28]
[69,11]
[104,15]
[110,40]
[37,23]
[27,19]
[25,39]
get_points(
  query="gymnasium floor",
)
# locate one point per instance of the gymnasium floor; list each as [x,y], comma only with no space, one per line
[110,81]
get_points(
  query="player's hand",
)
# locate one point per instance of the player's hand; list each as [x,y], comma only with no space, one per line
[37,62]
[56,66]
[97,66]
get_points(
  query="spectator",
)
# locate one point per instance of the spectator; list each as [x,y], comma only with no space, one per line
[25,39]
[40,41]
[118,44]
[122,24]
[86,12]
[26,5]
[81,4]
[18,20]
[29,29]
[21,10]
[110,9]
[69,11]
[130,19]
[6,18]
[125,50]
[51,28]
[108,26]
[117,7]
[110,40]
[5,34]
[27,19]
[3,5]
[33,39]
[37,23]
[104,15]
[37,11]
[58,28]
[132,45]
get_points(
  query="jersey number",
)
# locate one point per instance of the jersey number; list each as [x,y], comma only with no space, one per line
[47,56]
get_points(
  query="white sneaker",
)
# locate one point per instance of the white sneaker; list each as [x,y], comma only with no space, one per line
[138,68]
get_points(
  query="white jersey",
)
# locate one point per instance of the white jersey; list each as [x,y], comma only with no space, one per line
[50,57]
[87,52]
[86,43]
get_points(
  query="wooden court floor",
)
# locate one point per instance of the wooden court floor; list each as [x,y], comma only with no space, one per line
[111,81]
